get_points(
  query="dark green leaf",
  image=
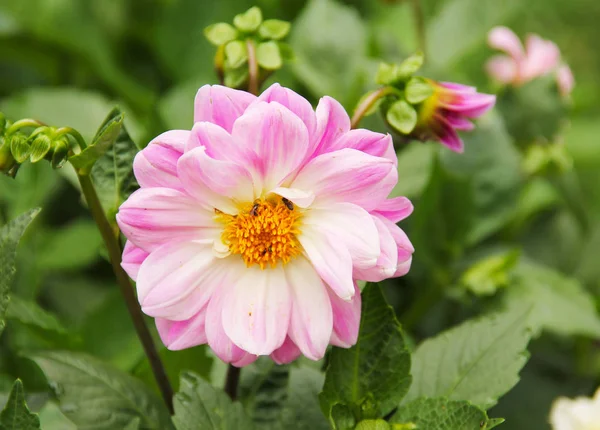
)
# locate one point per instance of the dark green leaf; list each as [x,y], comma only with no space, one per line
[302,411]
[268,56]
[402,117]
[10,235]
[198,405]
[374,375]
[274,29]
[220,33]
[113,172]
[16,414]
[443,414]
[478,361]
[248,21]
[31,314]
[111,398]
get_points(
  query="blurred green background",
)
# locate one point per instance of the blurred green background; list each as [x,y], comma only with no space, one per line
[67,62]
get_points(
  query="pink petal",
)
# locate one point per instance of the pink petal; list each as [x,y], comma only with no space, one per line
[349,176]
[277,136]
[449,137]
[133,257]
[332,122]
[219,342]
[256,313]
[386,264]
[458,88]
[156,165]
[542,57]
[312,321]
[346,319]
[294,102]
[502,68]
[504,39]
[286,353]
[376,144]
[565,80]
[220,105]
[151,217]
[472,105]
[333,263]
[178,335]
[221,177]
[403,245]
[177,279]
[395,209]
[458,121]
[300,198]
[352,227]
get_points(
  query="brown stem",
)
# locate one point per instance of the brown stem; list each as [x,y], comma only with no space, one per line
[252,68]
[231,381]
[115,252]
[367,103]
[420,23]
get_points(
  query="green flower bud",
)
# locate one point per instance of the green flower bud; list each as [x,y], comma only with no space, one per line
[19,146]
[60,153]
[7,161]
[42,144]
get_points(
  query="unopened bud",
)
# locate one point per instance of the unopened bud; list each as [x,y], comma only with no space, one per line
[60,153]
[42,144]
[7,161]
[19,146]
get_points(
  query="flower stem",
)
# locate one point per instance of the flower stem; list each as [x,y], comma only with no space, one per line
[22,124]
[367,103]
[74,133]
[114,251]
[420,24]
[232,380]
[252,68]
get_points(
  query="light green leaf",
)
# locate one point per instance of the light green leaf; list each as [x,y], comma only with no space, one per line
[409,66]
[402,117]
[198,405]
[274,29]
[373,425]
[414,167]
[111,398]
[133,425]
[10,235]
[478,361]
[443,414]
[248,21]
[560,304]
[374,375]
[330,43]
[236,54]
[72,247]
[490,273]
[268,56]
[418,90]
[16,414]
[112,174]
[220,33]
[31,314]
[386,74]
[51,418]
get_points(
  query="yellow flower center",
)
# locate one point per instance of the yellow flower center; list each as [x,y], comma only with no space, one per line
[263,232]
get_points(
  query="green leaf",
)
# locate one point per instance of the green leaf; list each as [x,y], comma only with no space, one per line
[373,425]
[410,66]
[236,54]
[112,173]
[402,117]
[133,425]
[274,29]
[302,410]
[418,90]
[478,361]
[10,235]
[374,375]
[236,78]
[330,42]
[31,314]
[111,398]
[560,304]
[443,414]
[16,414]
[74,246]
[198,405]
[490,273]
[220,33]
[386,74]
[248,21]
[415,163]
[268,56]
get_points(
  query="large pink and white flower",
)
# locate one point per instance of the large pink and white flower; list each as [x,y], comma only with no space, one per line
[250,231]
[539,57]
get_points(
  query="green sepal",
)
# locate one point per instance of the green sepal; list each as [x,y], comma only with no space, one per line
[60,154]
[236,78]
[7,161]
[248,21]
[41,146]
[220,33]
[389,74]
[274,29]
[268,56]
[402,117]
[236,54]
[418,90]
[386,74]
[20,148]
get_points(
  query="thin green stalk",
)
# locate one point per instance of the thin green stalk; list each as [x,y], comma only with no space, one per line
[115,252]
[367,103]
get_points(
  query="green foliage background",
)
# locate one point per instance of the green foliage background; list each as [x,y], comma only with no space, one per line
[67,62]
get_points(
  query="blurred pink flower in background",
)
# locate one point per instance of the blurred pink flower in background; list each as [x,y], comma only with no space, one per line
[450,108]
[249,231]
[539,57]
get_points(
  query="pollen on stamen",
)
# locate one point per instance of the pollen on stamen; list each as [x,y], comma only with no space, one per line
[263,232]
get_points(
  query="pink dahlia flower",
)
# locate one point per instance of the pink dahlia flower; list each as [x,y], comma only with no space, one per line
[449,109]
[539,57]
[250,231]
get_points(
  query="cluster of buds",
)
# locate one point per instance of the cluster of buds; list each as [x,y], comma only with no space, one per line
[419,108]
[249,42]
[16,146]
